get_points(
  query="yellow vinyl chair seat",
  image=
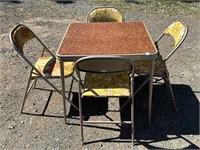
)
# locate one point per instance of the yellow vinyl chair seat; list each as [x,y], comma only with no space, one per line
[107,85]
[143,66]
[49,66]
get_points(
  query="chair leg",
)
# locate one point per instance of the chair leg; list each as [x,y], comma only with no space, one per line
[70,89]
[28,88]
[68,98]
[132,121]
[81,114]
[168,84]
[35,84]
[132,111]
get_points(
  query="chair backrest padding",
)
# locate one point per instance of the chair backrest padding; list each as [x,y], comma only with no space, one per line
[105,14]
[20,36]
[104,64]
[178,31]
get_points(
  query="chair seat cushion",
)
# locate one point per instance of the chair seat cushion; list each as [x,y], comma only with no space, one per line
[107,85]
[143,66]
[49,66]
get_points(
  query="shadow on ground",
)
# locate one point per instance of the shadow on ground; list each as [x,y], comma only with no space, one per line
[64,1]
[11,1]
[165,121]
[166,124]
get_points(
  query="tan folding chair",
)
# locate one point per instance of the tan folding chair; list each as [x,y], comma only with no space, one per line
[105,14]
[45,67]
[178,31]
[99,76]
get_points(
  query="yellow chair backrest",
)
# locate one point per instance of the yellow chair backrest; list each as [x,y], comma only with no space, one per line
[21,36]
[105,14]
[177,31]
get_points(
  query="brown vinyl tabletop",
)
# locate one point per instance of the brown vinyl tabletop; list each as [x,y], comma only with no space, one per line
[129,39]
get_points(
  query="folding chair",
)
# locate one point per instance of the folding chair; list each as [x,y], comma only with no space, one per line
[99,76]
[178,31]
[105,14]
[45,67]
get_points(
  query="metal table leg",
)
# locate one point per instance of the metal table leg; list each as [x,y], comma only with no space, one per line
[151,88]
[63,88]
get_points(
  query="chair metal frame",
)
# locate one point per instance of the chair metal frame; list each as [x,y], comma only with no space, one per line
[176,45]
[104,7]
[104,65]
[32,85]
[169,31]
